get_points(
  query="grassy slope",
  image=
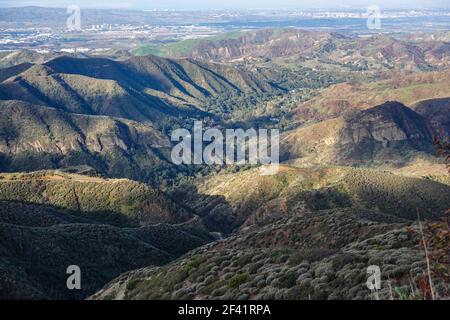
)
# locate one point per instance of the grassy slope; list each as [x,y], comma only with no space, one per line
[386,135]
[309,233]
[116,197]
[231,201]
[14,58]
[184,47]
[141,88]
[341,98]
[315,49]
[320,255]
[50,220]
[35,137]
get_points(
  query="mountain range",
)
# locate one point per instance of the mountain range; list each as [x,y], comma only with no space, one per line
[87,176]
[338,99]
[110,115]
[294,46]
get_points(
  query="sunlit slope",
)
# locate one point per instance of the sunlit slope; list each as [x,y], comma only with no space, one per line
[123,199]
[387,133]
[230,201]
[36,137]
[141,88]
[342,98]
[50,220]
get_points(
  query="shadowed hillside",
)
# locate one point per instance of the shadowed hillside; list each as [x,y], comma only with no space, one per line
[34,260]
[228,271]
[142,88]
[304,234]
[310,255]
[137,202]
[86,176]
[34,137]
[436,112]
[50,220]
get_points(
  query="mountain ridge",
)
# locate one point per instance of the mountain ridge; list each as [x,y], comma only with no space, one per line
[140,88]
[378,52]
[62,139]
[388,132]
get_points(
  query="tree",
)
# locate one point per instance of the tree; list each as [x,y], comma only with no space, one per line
[443,150]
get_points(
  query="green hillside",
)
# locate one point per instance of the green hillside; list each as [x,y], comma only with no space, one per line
[230,201]
[114,197]
[87,178]
[316,256]
[50,220]
[147,88]
[34,260]
[34,137]
[184,47]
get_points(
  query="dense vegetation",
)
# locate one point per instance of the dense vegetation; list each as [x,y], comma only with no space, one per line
[358,170]
[230,201]
[50,220]
[239,268]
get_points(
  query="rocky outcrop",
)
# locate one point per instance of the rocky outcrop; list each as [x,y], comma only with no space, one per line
[390,133]
[385,129]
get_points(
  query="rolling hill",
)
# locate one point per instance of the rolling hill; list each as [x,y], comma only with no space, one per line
[305,234]
[80,135]
[34,137]
[236,269]
[301,47]
[141,88]
[231,202]
[388,133]
[112,115]
[14,58]
[436,112]
[296,223]
[339,99]
[130,202]
[34,260]
[235,46]
[50,220]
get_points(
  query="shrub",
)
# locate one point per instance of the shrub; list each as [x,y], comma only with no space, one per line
[237,280]
[190,265]
[287,280]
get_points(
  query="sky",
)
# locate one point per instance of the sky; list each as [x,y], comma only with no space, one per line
[221,4]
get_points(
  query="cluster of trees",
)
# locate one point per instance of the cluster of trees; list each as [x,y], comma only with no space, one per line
[443,150]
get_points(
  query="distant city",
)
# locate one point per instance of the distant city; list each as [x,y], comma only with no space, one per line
[101,30]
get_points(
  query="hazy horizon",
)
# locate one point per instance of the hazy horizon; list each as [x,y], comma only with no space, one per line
[233,4]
